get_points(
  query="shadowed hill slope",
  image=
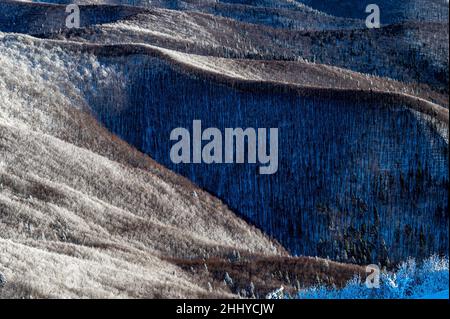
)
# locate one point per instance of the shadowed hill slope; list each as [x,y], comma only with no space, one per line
[416,53]
[299,14]
[277,14]
[329,212]
[392,11]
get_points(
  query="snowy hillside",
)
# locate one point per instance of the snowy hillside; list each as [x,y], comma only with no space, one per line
[91,204]
[321,130]
[74,195]
[279,14]
[392,10]
[414,52]
[298,14]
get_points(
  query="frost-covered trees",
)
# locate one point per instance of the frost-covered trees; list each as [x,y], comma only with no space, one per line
[429,279]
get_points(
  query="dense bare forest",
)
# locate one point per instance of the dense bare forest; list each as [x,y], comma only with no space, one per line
[354,183]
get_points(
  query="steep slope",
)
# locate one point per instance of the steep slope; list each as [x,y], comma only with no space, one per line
[400,197]
[415,53]
[326,193]
[73,197]
[392,11]
[278,14]
[83,214]
[41,18]
[363,160]
[411,52]
[299,14]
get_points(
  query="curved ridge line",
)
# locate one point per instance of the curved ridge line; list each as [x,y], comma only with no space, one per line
[122,49]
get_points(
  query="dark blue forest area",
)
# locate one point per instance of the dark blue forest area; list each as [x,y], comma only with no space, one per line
[358,180]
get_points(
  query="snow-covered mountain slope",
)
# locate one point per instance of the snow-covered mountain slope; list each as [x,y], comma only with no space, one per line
[363,170]
[137,113]
[41,18]
[387,52]
[288,16]
[278,14]
[83,214]
[299,14]
[411,52]
[392,11]
[76,201]
[304,214]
